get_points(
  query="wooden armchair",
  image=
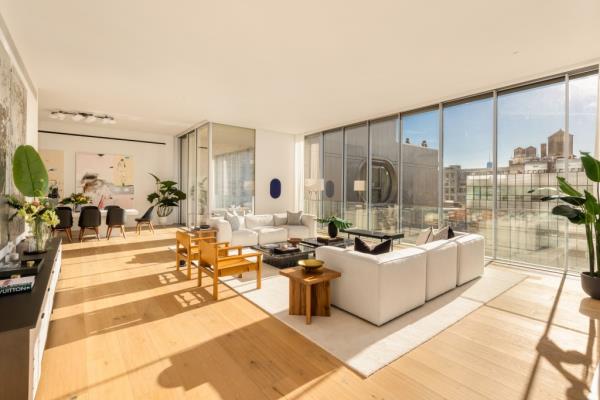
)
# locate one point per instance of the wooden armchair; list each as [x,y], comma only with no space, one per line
[187,249]
[215,261]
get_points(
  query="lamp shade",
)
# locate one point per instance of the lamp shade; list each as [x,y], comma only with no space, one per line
[359,186]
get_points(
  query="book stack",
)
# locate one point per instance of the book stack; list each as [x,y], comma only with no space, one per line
[328,240]
[16,285]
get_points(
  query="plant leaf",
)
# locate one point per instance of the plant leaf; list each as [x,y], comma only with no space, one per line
[566,188]
[29,172]
[573,214]
[591,166]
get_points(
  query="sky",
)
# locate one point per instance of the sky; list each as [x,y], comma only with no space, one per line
[525,118]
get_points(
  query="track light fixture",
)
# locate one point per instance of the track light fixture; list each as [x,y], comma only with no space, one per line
[82,116]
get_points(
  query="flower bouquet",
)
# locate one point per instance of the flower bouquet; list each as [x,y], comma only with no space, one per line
[39,216]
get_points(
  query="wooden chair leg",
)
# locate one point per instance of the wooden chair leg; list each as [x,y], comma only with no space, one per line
[137,228]
[151,227]
[81,233]
[199,276]
[108,232]
[177,258]
[97,232]
[259,273]
[123,231]
[215,284]
[68,230]
[189,267]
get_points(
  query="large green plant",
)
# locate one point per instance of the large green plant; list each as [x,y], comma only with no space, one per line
[338,222]
[29,172]
[582,208]
[166,196]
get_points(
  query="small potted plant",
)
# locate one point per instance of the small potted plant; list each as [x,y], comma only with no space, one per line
[31,178]
[333,224]
[77,200]
[583,209]
[166,198]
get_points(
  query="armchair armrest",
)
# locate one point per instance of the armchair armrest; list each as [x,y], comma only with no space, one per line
[241,256]
[310,221]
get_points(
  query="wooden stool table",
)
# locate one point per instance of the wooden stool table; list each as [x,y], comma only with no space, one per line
[310,293]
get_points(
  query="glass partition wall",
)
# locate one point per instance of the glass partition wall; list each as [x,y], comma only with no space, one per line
[216,172]
[479,164]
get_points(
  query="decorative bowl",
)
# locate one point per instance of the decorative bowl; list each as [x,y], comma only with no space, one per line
[311,266]
[294,241]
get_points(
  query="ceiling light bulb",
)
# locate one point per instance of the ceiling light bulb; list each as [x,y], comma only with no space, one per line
[90,118]
[77,117]
[105,120]
[112,121]
[60,115]
[53,115]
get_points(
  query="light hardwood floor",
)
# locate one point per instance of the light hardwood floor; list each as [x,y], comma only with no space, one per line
[127,325]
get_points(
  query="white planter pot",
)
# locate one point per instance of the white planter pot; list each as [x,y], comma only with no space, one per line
[162,220]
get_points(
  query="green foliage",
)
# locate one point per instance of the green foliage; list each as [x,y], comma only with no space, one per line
[581,209]
[29,172]
[76,199]
[166,196]
[338,222]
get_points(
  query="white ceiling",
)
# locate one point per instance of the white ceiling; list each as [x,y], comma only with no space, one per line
[295,67]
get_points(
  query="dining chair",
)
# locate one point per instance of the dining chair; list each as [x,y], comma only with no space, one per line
[115,217]
[89,218]
[65,217]
[146,219]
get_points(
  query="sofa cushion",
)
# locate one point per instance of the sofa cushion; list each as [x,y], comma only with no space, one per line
[425,236]
[256,221]
[471,257]
[294,218]
[380,248]
[233,221]
[279,219]
[442,267]
[244,237]
[273,234]
[297,231]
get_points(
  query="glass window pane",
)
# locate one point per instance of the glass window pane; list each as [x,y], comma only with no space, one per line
[202,175]
[183,170]
[420,169]
[531,148]
[468,183]
[583,106]
[233,166]
[385,154]
[333,165]
[312,175]
[191,177]
[356,146]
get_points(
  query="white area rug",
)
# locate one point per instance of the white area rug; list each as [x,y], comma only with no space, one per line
[362,346]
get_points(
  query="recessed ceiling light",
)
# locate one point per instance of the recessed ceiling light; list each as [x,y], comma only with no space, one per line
[77,117]
[90,118]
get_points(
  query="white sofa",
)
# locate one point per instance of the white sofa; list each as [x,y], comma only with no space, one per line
[379,288]
[261,229]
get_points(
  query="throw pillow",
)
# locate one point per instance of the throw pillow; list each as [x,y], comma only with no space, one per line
[233,220]
[450,233]
[381,248]
[425,236]
[294,218]
[441,234]
[279,220]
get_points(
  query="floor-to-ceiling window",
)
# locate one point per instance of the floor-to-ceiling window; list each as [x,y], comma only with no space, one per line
[420,171]
[313,182]
[531,149]
[384,174]
[228,175]
[582,123]
[233,166]
[501,151]
[356,150]
[333,165]
[467,188]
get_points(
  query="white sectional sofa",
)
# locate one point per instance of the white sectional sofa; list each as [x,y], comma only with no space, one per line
[379,288]
[261,229]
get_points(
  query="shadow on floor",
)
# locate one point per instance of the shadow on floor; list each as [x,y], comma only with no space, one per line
[111,248]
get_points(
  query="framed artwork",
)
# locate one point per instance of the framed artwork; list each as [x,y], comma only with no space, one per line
[106,178]
[54,160]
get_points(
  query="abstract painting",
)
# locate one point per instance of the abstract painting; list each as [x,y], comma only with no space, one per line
[106,178]
[54,160]
[13,131]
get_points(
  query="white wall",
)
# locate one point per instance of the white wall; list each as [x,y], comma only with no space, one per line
[158,159]
[275,158]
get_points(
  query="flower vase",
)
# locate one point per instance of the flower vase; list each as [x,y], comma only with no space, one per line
[41,234]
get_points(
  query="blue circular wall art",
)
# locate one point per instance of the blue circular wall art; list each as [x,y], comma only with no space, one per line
[329,189]
[275,188]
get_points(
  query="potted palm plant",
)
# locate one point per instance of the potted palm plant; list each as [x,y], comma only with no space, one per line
[165,198]
[583,209]
[333,224]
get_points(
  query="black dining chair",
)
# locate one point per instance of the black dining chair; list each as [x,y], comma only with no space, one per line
[115,216]
[65,216]
[146,219]
[89,219]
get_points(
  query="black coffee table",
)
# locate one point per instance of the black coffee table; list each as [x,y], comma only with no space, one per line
[374,234]
[284,260]
[313,242]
